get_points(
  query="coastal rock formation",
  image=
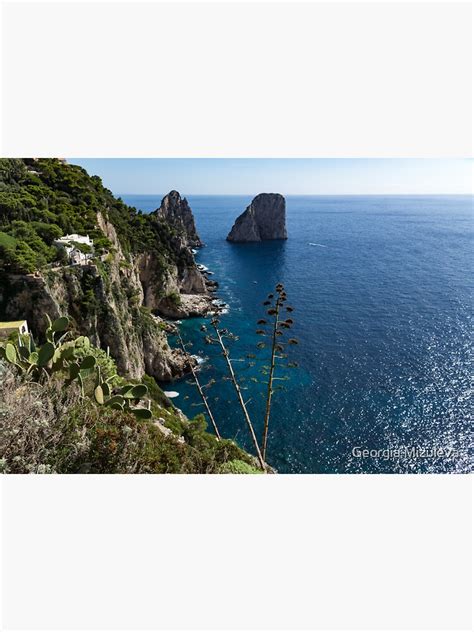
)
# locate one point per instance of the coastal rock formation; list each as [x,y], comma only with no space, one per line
[110,311]
[264,218]
[182,291]
[176,210]
[117,299]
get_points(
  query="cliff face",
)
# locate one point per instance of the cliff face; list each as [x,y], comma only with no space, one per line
[176,210]
[116,306]
[264,218]
[142,269]
[180,293]
[105,302]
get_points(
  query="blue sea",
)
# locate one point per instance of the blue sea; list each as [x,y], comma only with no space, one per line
[382,295]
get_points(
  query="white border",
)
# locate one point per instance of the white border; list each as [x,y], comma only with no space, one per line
[218,552]
[237,79]
[52,520]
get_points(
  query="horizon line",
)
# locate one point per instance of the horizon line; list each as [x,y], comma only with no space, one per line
[303,194]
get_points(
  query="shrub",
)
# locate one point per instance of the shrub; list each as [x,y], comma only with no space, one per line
[238,467]
[175,298]
[52,429]
[49,429]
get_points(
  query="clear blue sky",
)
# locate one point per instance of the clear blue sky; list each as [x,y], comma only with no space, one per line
[281,175]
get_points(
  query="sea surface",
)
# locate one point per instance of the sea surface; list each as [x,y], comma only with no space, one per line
[382,295]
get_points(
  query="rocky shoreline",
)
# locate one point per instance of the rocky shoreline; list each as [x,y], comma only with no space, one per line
[196,305]
[193,304]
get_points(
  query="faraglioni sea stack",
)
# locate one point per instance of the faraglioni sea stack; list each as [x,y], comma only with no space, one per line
[176,210]
[264,218]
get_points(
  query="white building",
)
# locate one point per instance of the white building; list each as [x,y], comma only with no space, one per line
[71,244]
[7,328]
[80,239]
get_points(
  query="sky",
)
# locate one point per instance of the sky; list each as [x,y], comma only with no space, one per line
[289,176]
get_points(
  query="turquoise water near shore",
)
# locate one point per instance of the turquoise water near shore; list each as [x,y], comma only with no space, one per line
[381,287]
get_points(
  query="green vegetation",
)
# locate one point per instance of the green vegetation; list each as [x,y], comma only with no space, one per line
[174,298]
[75,362]
[53,418]
[238,467]
[43,199]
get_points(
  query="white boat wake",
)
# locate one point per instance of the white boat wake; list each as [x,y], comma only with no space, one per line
[171,393]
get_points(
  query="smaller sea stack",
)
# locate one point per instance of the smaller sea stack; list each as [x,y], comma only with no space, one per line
[176,210]
[264,218]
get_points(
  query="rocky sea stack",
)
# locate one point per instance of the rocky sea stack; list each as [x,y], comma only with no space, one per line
[264,218]
[176,210]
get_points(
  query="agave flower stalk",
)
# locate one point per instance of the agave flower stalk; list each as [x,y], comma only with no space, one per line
[225,351]
[279,328]
[271,374]
[201,392]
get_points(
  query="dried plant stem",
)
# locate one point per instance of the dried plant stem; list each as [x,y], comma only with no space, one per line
[201,392]
[270,381]
[241,399]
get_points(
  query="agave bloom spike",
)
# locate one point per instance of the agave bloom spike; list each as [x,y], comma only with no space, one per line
[201,391]
[238,390]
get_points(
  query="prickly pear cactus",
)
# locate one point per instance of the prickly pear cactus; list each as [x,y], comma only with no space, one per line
[58,355]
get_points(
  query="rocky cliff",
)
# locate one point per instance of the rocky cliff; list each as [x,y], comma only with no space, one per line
[176,210]
[107,309]
[142,269]
[264,218]
[116,303]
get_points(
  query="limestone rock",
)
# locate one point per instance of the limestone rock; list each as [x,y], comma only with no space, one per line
[111,309]
[176,210]
[264,218]
[186,306]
